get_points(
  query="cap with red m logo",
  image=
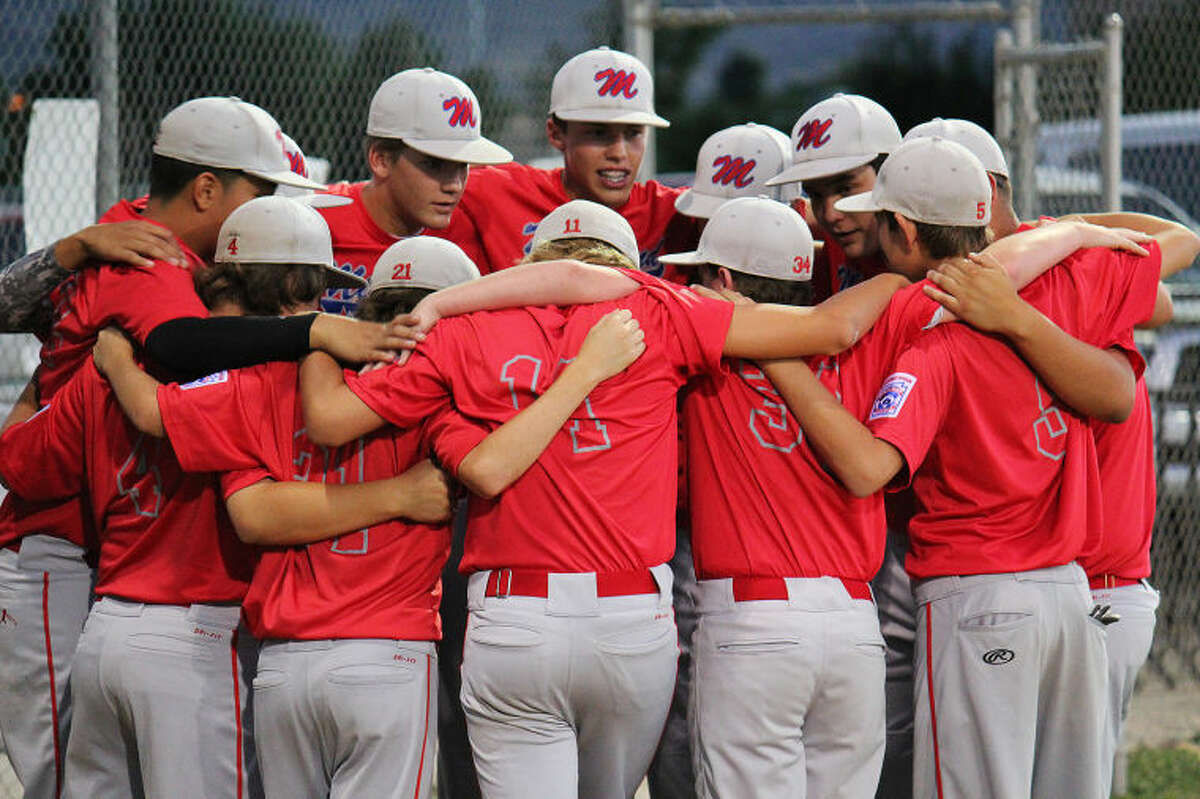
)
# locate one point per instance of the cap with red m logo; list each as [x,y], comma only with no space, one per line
[735,162]
[837,135]
[434,113]
[604,85]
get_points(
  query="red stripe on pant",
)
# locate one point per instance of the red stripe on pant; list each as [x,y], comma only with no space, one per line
[425,735]
[53,686]
[937,755]
[237,706]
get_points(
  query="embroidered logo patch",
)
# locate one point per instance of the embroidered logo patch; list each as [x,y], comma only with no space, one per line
[891,396]
[209,380]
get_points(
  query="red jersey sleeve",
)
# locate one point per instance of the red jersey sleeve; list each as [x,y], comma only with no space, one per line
[450,436]
[43,457]
[216,423]
[913,401]
[1129,299]
[123,300]
[405,395]
[698,325]
[235,481]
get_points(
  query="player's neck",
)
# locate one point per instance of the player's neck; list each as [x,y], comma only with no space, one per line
[383,212]
[192,231]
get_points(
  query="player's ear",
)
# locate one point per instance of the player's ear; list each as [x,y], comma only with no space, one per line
[556,134]
[724,278]
[206,191]
[380,162]
[908,231]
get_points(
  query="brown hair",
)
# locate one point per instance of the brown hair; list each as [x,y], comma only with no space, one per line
[942,241]
[588,250]
[260,289]
[763,289]
[382,305]
[392,148]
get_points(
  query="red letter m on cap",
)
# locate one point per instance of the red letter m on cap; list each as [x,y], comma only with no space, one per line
[616,82]
[733,170]
[813,134]
[462,112]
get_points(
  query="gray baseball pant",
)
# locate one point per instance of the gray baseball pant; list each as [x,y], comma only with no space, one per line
[566,696]
[160,697]
[1129,643]
[346,718]
[788,696]
[45,591]
[1010,687]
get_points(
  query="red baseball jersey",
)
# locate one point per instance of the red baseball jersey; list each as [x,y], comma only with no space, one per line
[601,497]
[502,205]
[1005,476]
[66,519]
[164,536]
[378,582]
[134,298]
[762,504]
[357,244]
[1127,486]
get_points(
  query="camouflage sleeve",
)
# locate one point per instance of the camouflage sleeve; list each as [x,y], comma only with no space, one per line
[25,287]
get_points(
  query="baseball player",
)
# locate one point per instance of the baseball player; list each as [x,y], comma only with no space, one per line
[989,643]
[423,130]
[44,593]
[193,187]
[837,147]
[788,660]
[600,104]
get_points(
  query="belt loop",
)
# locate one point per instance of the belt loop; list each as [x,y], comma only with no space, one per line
[504,579]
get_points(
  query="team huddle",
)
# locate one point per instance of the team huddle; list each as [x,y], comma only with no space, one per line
[824,477]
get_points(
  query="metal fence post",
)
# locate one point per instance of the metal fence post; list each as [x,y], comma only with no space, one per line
[1002,92]
[1025,144]
[639,41]
[1110,103]
[105,87]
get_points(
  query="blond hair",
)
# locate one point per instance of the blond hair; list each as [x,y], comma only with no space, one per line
[588,250]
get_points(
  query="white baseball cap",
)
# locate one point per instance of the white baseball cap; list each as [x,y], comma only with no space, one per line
[278,230]
[434,113]
[422,262]
[604,85]
[837,135]
[930,180]
[228,133]
[734,162]
[755,235]
[299,165]
[962,131]
[580,219]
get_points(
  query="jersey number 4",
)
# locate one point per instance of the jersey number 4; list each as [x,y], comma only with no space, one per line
[523,371]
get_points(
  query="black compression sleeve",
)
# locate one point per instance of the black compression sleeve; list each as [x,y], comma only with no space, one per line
[193,347]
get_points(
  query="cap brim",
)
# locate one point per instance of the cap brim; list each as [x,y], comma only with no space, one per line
[616,115]
[857,204]
[336,278]
[693,203]
[287,178]
[693,258]
[467,151]
[319,200]
[820,168]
